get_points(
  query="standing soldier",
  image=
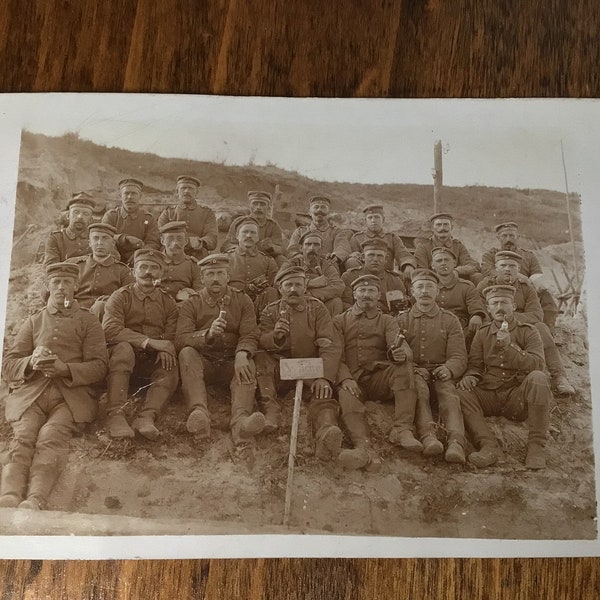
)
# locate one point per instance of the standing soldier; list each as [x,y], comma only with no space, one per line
[505,378]
[135,227]
[217,337]
[336,245]
[201,220]
[298,326]
[440,357]
[72,240]
[508,236]
[271,240]
[322,276]
[57,355]
[397,253]
[375,364]
[139,323]
[442,225]
[181,277]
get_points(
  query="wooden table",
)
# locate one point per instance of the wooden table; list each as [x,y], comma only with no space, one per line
[385,48]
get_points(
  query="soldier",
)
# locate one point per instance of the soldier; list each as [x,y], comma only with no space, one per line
[100,274]
[322,276]
[397,253]
[201,220]
[217,336]
[135,227]
[57,355]
[457,295]
[298,326]
[393,293]
[442,225]
[440,357]
[271,240]
[181,276]
[375,364]
[251,270]
[139,323]
[72,240]
[505,378]
[336,245]
[528,310]
[508,236]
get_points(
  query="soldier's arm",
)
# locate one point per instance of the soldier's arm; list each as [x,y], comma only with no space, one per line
[328,342]
[422,256]
[164,217]
[392,328]
[230,240]
[266,323]
[114,321]
[152,234]
[402,256]
[532,311]
[52,252]
[466,265]
[488,263]
[341,245]
[186,332]
[347,297]
[534,264]
[276,237]
[530,356]
[474,302]
[476,359]
[172,313]
[248,330]
[272,269]
[456,351]
[16,361]
[343,371]
[334,287]
[295,240]
[210,231]
[125,275]
[196,276]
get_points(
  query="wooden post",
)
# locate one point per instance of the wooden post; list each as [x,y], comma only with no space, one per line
[573,249]
[276,199]
[438,179]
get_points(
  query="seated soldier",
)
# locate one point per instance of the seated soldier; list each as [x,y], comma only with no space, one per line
[440,357]
[217,336]
[251,270]
[393,296]
[72,240]
[375,365]
[398,256]
[139,324]
[58,353]
[271,239]
[100,273]
[322,276]
[504,377]
[528,310]
[298,326]
[181,275]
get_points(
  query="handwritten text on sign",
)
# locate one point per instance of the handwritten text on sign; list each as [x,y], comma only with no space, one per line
[300,368]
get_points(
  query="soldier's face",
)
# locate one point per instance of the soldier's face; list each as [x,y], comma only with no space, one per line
[186,192]
[79,218]
[258,208]
[311,248]
[319,210]
[147,272]
[374,259]
[442,228]
[500,308]
[507,270]
[215,279]
[61,289]
[366,296]
[102,244]
[508,239]
[130,197]
[174,243]
[374,222]
[292,289]
[424,292]
[443,264]
[247,236]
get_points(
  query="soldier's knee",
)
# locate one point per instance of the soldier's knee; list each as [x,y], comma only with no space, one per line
[190,356]
[122,357]
[264,365]
[544,333]
[537,378]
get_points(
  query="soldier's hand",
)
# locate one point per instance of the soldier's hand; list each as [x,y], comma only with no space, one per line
[39,352]
[317,282]
[503,339]
[167,360]
[242,368]
[408,269]
[133,241]
[474,324]
[467,383]
[162,346]
[398,354]
[55,369]
[351,386]
[422,373]
[217,327]
[281,329]
[266,246]
[185,293]
[442,373]
[321,389]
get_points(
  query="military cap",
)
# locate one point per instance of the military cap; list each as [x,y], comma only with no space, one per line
[214,261]
[310,234]
[62,269]
[246,221]
[81,199]
[293,271]
[492,291]
[424,274]
[255,196]
[375,243]
[173,227]
[373,209]
[149,255]
[509,225]
[507,254]
[319,198]
[366,280]
[442,215]
[102,228]
[130,181]
[442,250]
[188,179]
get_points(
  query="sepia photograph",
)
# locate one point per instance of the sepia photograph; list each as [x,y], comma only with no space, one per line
[334,319]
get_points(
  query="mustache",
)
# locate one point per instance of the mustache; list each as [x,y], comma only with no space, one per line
[293,295]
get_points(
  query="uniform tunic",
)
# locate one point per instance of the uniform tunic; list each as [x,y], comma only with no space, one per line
[64,244]
[335,240]
[142,225]
[270,236]
[529,266]
[390,281]
[461,298]
[323,279]
[526,299]
[465,264]
[201,221]
[396,249]
[182,274]
[76,337]
[248,265]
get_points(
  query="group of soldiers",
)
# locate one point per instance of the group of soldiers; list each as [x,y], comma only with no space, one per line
[151,298]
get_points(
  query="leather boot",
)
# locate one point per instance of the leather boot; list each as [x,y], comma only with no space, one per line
[41,481]
[13,485]
[272,411]
[431,445]
[193,390]
[245,421]
[482,437]
[455,453]
[562,385]
[537,421]
[402,433]
[144,425]
[486,456]
[116,423]
[362,456]
[328,435]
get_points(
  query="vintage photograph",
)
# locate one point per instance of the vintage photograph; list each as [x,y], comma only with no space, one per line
[297,317]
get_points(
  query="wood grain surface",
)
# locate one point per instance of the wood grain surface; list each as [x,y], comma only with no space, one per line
[393,48]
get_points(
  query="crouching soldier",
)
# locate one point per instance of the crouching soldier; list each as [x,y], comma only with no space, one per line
[139,323]
[57,355]
[217,336]
[505,378]
[375,364]
[298,326]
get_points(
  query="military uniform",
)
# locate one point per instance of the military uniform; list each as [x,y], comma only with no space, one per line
[335,240]
[390,281]
[466,266]
[64,244]
[142,225]
[270,236]
[462,299]
[184,273]
[397,251]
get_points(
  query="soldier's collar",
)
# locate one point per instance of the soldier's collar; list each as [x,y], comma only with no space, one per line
[141,295]
[61,310]
[357,311]
[225,299]
[127,215]
[189,207]
[105,262]
[451,283]
[446,244]
[251,252]
[370,234]
[298,307]
[313,226]
[73,234]
[432,312]
[170,261]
